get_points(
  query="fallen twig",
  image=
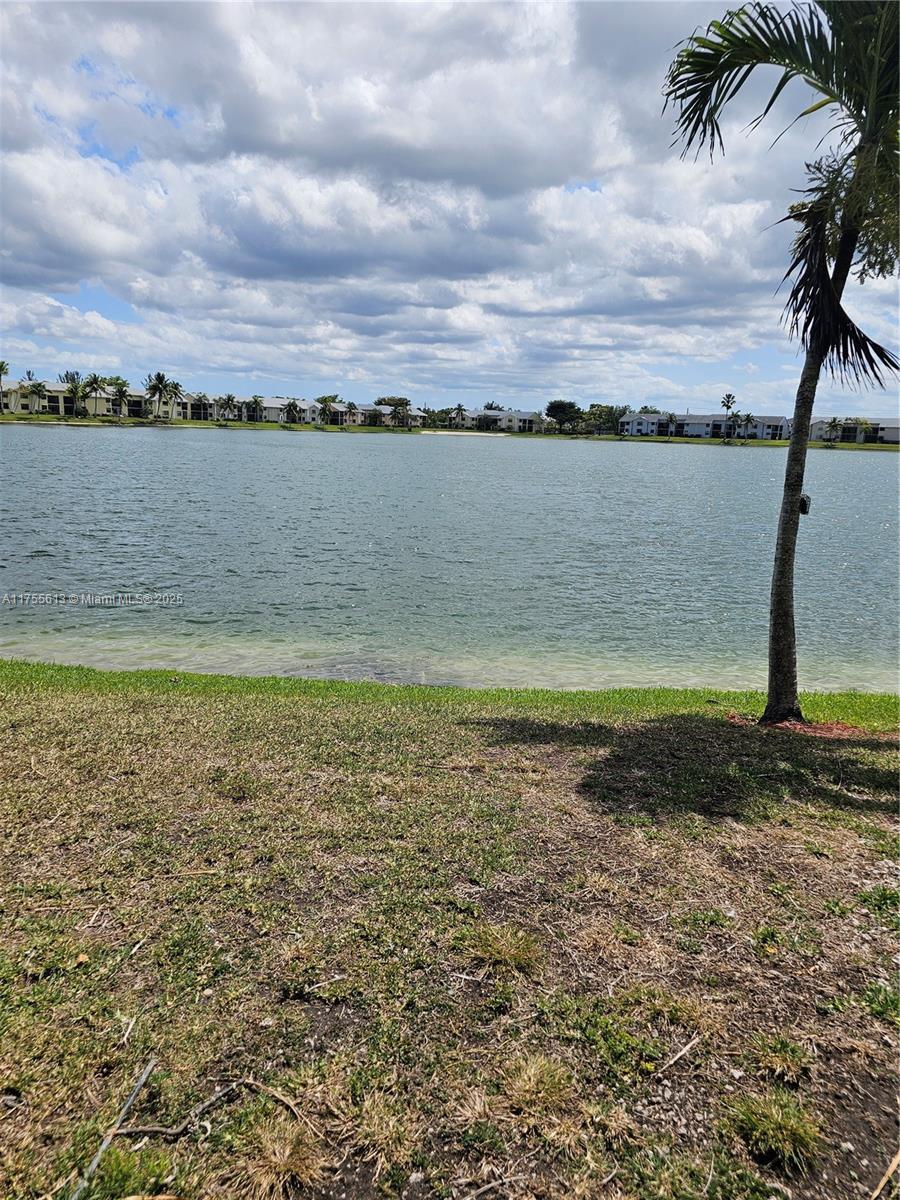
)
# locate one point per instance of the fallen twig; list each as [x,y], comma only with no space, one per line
[176,1131]
[895,1163]
[171,1132]
[681,1053]
[113,1130]
[288,1103]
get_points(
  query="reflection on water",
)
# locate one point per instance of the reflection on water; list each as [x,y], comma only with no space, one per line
[440,560]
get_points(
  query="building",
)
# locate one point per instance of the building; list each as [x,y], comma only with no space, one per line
[498,420]
[21,398]
[703,425]
[885,430]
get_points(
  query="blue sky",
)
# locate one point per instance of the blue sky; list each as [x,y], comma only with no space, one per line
[449,202]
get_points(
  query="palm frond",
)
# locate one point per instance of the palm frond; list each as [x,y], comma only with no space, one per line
[711,68]
[848,58]
[813,311]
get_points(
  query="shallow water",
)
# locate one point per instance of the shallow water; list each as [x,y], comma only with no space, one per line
[441,560]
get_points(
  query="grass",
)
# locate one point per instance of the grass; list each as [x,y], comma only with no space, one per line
[461,937]
[777,1129]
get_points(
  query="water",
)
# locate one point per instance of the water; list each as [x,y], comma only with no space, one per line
[440,559]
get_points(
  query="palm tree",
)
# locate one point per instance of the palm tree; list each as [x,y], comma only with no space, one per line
[747,420]
[37,391]
[291,412]
[864,427]
[728,403]
[156,386]
[352,410]
[93,386]
[118,388]
[460,413]
[4,371]
[227,405]
[174,393]
[26,388]
[252,409]
[325,409]
[833,429]
[847,53]
[671,421]
[74,391]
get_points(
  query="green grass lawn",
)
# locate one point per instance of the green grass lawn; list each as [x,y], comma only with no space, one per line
[428,941]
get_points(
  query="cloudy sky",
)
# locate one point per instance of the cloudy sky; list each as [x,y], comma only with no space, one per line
[472,202]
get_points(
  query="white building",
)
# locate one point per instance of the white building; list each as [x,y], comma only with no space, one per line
[885,430]
[703,425]
[51,398]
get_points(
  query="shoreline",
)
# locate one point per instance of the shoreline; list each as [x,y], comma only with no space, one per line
[271,427]
[881,706]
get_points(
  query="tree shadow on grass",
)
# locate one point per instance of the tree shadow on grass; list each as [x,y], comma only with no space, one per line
[692,763]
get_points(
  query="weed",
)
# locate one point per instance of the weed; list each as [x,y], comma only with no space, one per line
[883,1001]
[501,946]
[883,902]
[482,1137]
[779,1057]
[537,1084]
[776,1129]
[766,939]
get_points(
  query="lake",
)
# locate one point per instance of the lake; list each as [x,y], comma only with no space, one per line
[436,559]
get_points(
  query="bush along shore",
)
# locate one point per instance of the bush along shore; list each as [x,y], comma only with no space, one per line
[361,940]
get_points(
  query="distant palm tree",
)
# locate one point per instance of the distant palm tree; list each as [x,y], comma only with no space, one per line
[352,410]
[671,422]
[156,386]
[227,405]
[833,429]
[460,414]
[325,410]
[728,403]
[864,427]
[4,371]
[27,388]
[253,409]
[174,394]
[291,412]
[74,390]
[119,395]
[37,391]
[747,421]
[93,386]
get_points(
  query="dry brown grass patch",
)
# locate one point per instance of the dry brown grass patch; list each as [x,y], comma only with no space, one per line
[282,1158]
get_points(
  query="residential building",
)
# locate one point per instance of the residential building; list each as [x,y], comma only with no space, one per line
[702,425]
[18,397]
[885,430]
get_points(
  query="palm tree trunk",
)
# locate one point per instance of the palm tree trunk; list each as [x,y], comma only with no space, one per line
[783,703]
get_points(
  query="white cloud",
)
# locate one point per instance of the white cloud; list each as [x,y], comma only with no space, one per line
[466,197]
